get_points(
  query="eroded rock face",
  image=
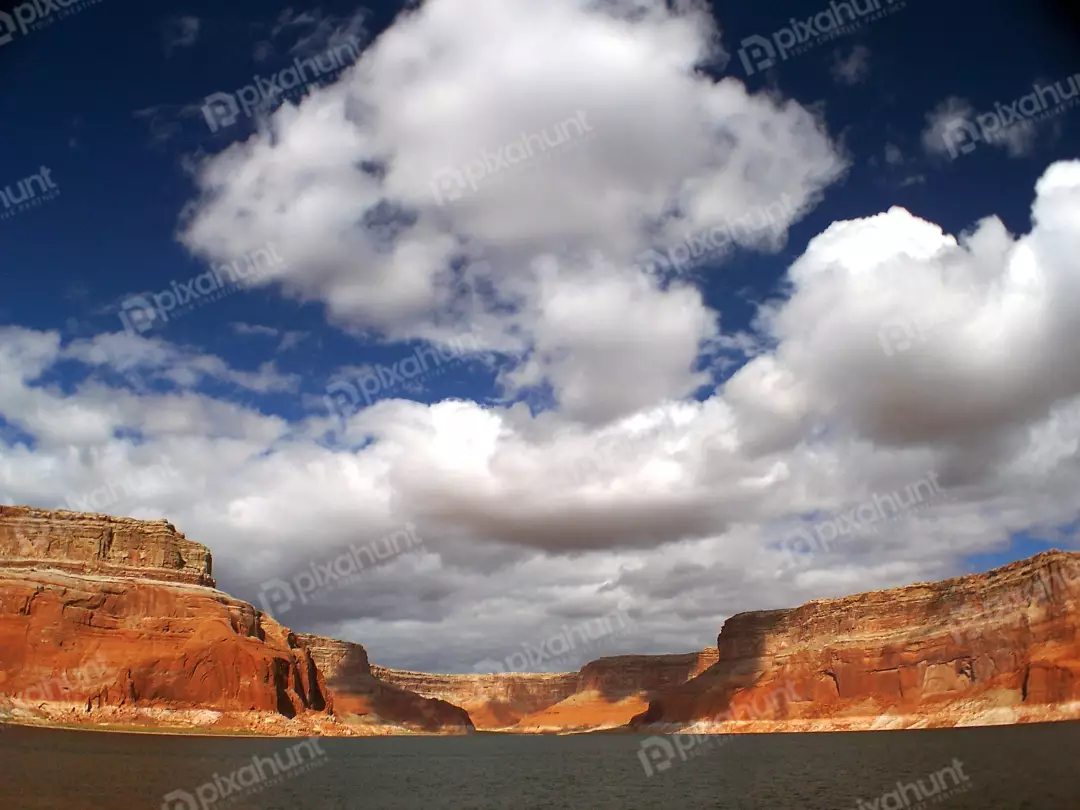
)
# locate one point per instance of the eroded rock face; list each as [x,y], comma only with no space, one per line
[357,692]
[984,648]
[93,641]
[99,544]
[492,701]
[116,620]
[624,675]
[604,693]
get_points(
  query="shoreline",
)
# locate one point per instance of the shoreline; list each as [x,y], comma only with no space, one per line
[621,730]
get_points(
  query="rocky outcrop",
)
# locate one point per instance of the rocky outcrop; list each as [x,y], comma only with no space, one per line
[987,648]
[76,644]
[359,695]
[115,620]
[604,693]
[85,543]
[611,691]
[495,701]
[625,675]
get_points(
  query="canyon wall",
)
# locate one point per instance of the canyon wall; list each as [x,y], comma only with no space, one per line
[114,620]
[117,621]
[86,543]
[1000,647]
[359,694]
[493,701]
[604,693]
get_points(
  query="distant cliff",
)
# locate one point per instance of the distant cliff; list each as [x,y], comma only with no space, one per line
[606,692]
[999,647]
[492,701]
[117,621]
[357,693]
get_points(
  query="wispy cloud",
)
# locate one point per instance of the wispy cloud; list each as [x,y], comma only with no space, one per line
[180,31]
[287,339]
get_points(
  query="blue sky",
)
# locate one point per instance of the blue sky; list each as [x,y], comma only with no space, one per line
[596,433]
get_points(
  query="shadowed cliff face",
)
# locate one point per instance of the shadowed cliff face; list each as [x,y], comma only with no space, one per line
[99,612]
[115,620]
[94,641]
[356,692]
[604,693]
[996,647]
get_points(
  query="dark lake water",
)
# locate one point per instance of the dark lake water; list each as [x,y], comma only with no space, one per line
[1004,768]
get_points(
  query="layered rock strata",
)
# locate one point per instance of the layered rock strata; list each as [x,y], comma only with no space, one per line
[84,543]
[358,694]
[1000,647]
[117,621]
[604,693]
[493,701]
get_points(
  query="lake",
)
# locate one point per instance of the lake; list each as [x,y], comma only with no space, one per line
[1030,767]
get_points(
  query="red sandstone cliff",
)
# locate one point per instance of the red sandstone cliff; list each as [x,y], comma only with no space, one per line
[1000,647]
[83,543]
[359,694]
[119,618]
[115,620]
[496,701]
[604,693]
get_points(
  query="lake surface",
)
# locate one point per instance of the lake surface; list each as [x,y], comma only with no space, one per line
[1005,768]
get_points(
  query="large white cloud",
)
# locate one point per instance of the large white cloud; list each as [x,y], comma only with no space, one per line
[530,522]
[897,352]
[372,188]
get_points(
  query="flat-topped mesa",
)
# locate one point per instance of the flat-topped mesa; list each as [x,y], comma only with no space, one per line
[953,607]
[358,694]
[620,676]
[507,699]
[85,543]
[518,688]
[997,647]
[493,700]
[336,659]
